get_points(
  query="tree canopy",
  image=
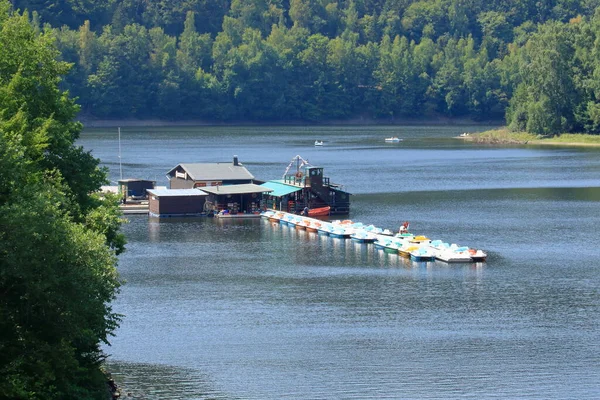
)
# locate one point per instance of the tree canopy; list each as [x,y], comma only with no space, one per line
[58,239]
[312,60]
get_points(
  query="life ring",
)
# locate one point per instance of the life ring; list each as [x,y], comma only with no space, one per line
[298,174]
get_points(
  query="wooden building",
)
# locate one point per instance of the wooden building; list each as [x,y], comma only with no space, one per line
[236,199]
[176,202]
[188,176]
[304,185]
[134,189]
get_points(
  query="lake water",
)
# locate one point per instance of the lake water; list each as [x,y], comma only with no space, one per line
[250,310]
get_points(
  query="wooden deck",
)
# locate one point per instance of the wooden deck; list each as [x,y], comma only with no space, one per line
[134,208]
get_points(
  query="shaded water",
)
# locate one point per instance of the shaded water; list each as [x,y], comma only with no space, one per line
[250,310]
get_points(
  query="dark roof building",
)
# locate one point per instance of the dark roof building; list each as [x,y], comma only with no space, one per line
[176,202]
[187,176]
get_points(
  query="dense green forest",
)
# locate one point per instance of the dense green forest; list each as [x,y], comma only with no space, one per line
[532,62]
[58,240]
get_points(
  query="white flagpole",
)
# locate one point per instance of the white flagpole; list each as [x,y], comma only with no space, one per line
[120,166]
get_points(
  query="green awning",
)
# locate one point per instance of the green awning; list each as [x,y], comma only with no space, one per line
[280,189]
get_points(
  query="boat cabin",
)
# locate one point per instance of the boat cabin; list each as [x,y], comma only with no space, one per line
[189,176]
[304,185]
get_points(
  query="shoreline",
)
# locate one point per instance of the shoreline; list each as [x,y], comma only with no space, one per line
[504,137]
[89,122]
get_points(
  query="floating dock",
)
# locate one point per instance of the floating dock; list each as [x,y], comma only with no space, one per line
[134,208]
[234,216]
[408,245]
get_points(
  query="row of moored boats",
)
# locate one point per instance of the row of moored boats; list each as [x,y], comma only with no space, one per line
[415,247]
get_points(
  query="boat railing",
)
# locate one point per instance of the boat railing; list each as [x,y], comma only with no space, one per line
[294,180]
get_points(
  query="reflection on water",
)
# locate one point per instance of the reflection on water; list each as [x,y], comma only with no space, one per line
[150,381]
[256,310]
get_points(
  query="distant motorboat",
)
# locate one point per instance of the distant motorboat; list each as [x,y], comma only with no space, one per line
[318,143]
[393,139]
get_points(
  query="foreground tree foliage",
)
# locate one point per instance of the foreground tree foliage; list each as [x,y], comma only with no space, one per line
[58,242]
[533,62]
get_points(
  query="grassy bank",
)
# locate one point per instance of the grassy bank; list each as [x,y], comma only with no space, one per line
[504,136]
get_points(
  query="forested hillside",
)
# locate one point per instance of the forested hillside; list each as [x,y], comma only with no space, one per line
[535,62]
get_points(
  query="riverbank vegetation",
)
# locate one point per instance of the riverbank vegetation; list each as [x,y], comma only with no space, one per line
[502,136]
[316,60]
[505,136]
[58,241]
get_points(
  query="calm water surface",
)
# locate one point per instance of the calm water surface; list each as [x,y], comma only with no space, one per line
[249,310]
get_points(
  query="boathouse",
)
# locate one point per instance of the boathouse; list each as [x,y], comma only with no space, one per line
[176,202]
[304,185]
[134,189]
[188,176]
[236,199]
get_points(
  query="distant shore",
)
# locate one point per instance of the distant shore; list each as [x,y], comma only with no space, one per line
[90,122]
[504,136]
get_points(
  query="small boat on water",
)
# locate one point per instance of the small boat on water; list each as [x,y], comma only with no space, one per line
[373,229]
[275,217]
[449,255]
[361,236]
[340,231]
[311,226]
[319,212]
[302,224]
[318,143]
[477,255]
[454,253]
[288,219]
[422,254]
[406,249]
[267,214]
[387,244]
[324,228]
[420,240]
[393,139]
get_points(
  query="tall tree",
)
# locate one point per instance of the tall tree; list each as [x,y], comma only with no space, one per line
[58,241]
[546,98]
